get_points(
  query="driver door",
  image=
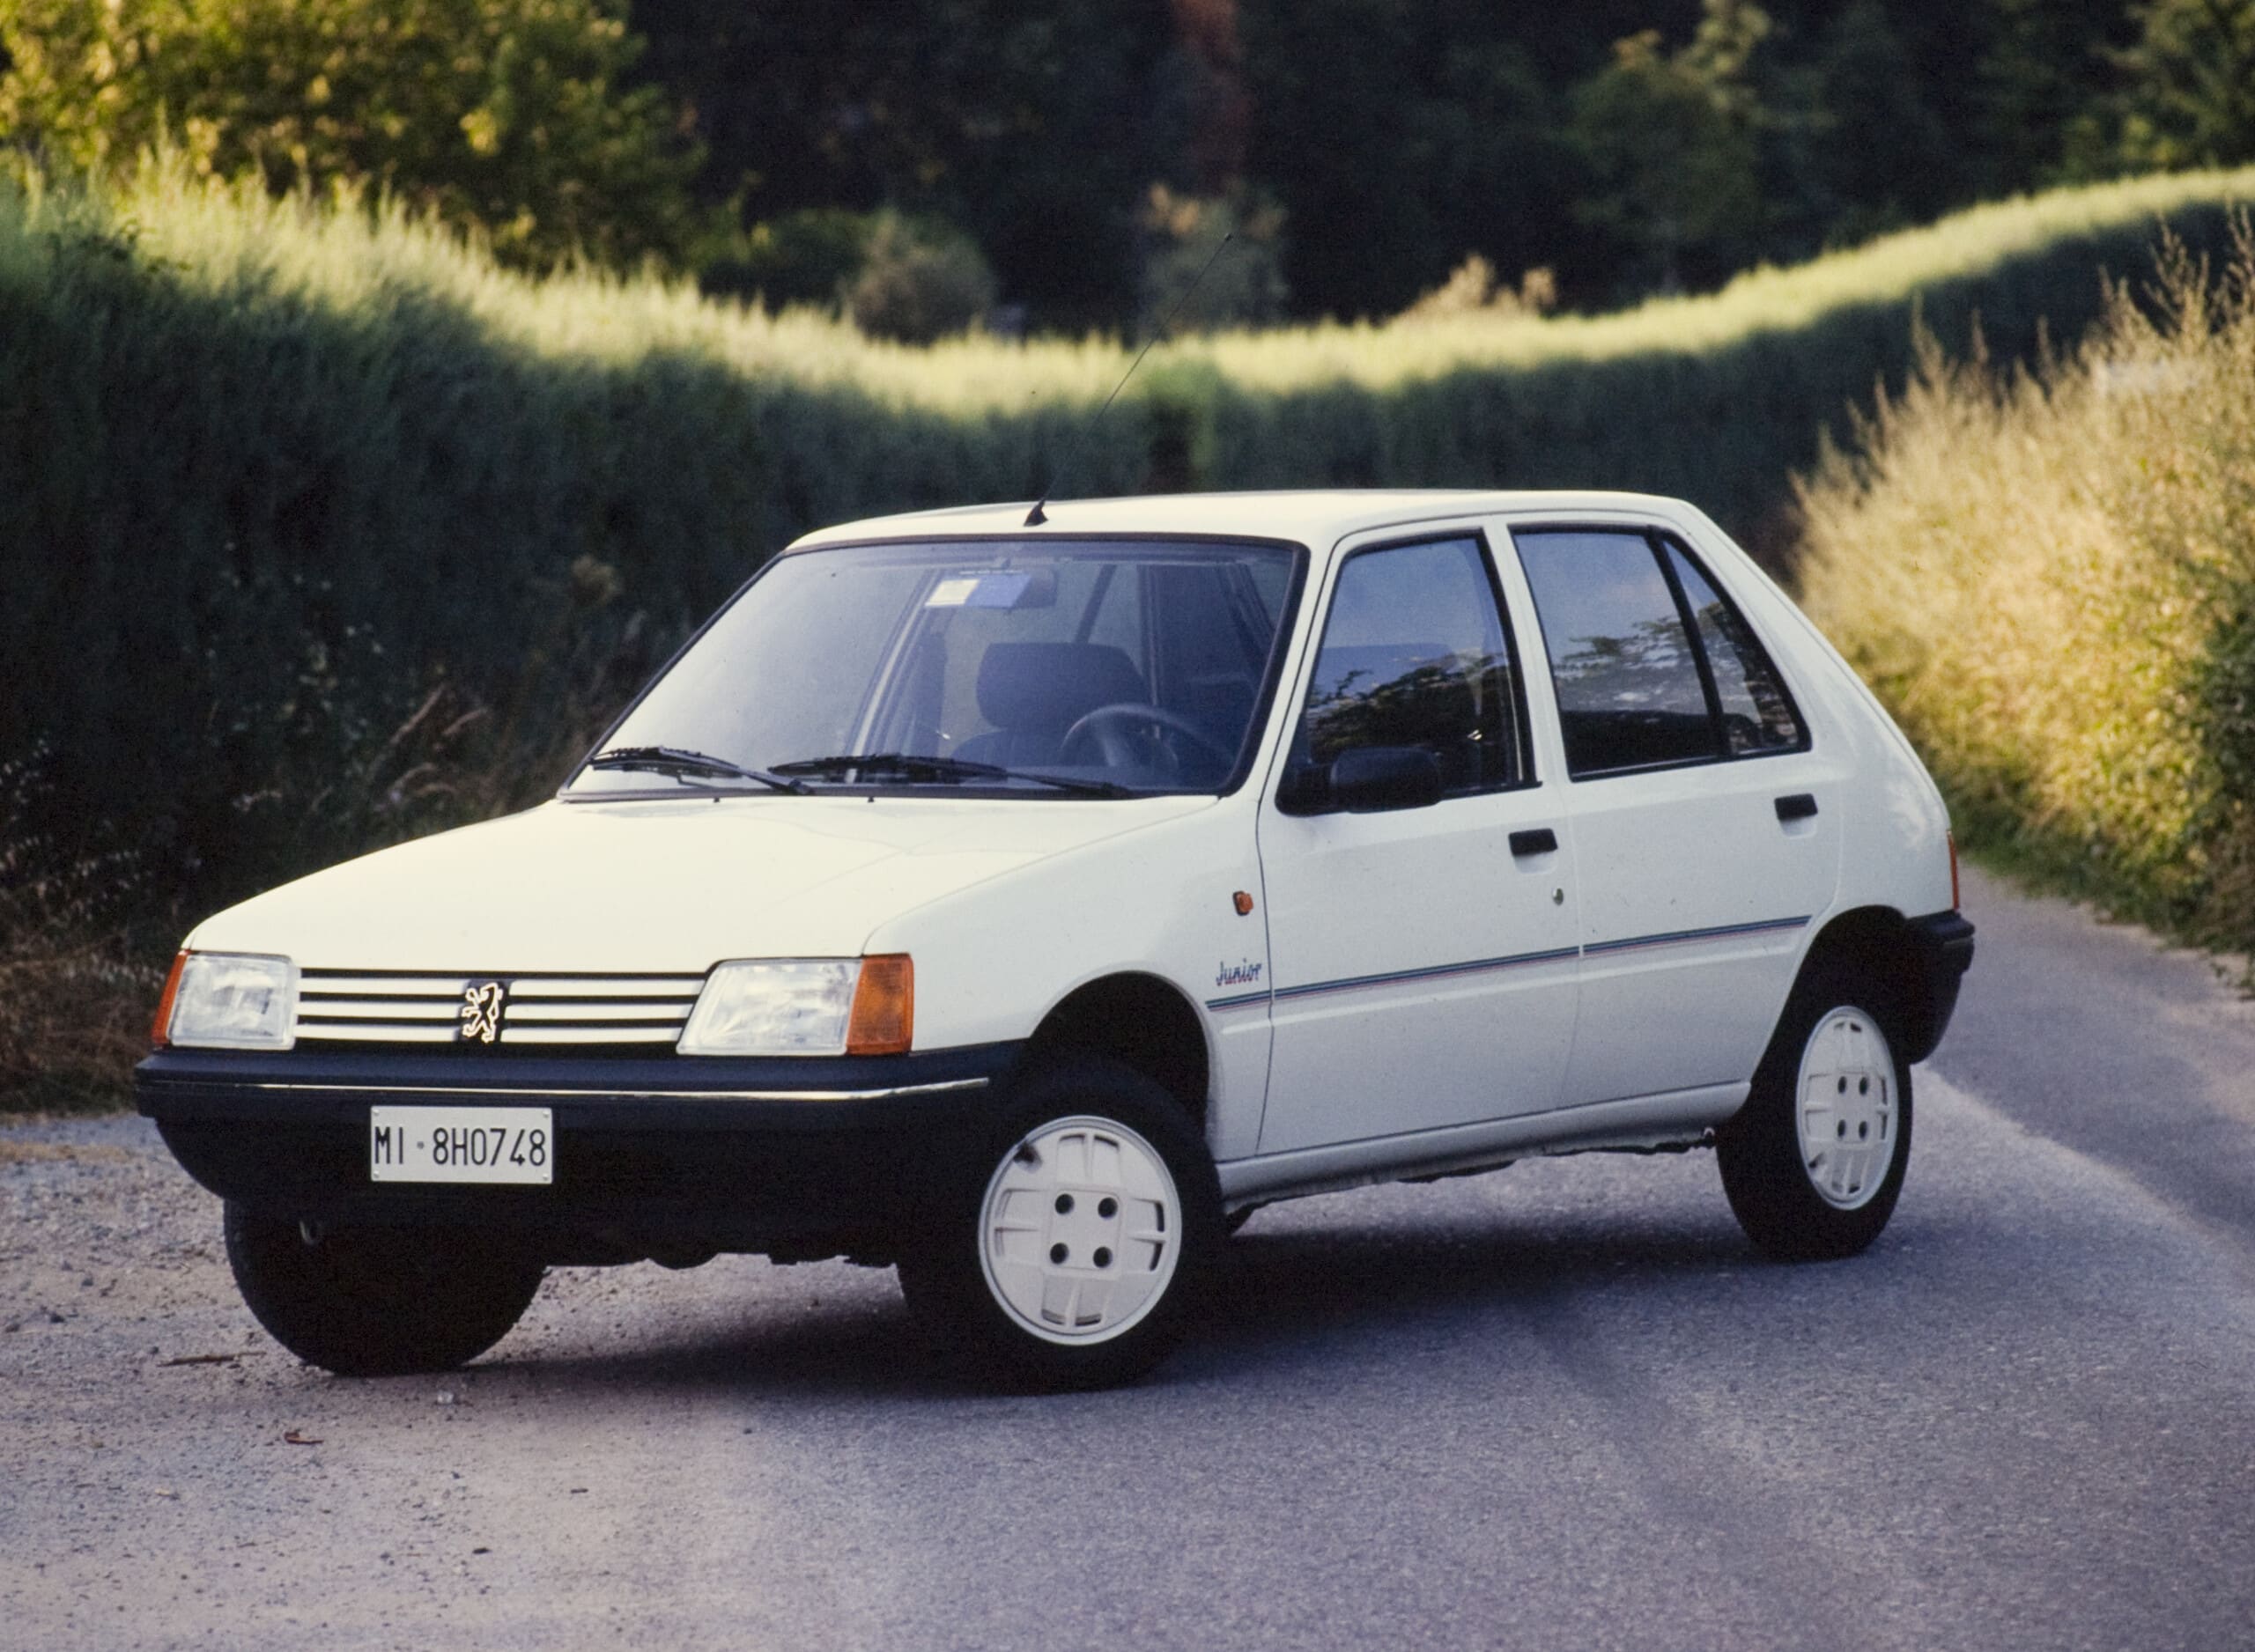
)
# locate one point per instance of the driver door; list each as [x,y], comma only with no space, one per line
[1424,957]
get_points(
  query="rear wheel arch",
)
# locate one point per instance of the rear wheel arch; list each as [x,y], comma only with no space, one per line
[1876,946]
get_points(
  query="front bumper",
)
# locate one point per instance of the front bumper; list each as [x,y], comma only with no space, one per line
[665,1157]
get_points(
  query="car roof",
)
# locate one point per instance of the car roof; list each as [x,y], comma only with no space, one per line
[1312,517]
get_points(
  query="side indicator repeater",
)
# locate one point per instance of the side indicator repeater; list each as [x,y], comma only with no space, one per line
[1243,903]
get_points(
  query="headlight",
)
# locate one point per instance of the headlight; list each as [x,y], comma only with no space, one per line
[803,1006]
[227,1000]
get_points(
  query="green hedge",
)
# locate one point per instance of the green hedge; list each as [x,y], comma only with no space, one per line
[316,528]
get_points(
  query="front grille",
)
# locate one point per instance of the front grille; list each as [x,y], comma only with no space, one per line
[394,1007]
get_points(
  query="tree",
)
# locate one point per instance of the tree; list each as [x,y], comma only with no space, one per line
[1671,144]
[2047,65]
[1400,135]
[1037,128]
[509,115]
[1857,148]
[2191,96]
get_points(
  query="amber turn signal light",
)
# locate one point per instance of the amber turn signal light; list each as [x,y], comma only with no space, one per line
[160,1028]
[883,1018]
[1955,904]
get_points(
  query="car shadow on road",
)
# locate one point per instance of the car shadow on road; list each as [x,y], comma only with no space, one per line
[1274,1291]
[1274,1301]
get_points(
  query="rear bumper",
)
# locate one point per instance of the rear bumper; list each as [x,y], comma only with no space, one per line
[662,1157]
[1944,943]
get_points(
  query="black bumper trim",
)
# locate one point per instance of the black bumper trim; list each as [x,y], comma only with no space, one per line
[1945,947]
[654,1156]
[524,1093]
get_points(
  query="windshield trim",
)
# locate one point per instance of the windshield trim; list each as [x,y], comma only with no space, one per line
[1257,726]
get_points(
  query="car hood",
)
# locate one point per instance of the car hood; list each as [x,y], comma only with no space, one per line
[660,886]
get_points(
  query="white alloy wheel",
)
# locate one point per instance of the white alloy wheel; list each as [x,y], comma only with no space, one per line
[1845,1111]
[1080,1230]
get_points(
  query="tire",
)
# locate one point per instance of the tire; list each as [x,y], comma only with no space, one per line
[1067,1253]
[376,1302]
[1813,1163]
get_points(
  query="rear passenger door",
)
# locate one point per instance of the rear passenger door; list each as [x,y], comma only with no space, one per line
[1704,825]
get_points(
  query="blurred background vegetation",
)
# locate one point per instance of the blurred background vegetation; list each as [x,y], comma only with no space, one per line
[1040,166]
[386,385]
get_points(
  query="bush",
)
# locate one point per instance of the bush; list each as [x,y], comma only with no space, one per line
[1188,280]
[919,280]
[806,258]
[2051,576]
[77,979]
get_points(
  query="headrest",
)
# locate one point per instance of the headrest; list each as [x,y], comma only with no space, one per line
[1045,687]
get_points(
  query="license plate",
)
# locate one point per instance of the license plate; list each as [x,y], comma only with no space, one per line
[461,1144]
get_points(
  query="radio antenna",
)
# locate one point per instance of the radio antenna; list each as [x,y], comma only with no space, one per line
[1037,516]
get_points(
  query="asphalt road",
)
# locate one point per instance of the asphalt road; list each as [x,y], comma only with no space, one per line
[1564,1406]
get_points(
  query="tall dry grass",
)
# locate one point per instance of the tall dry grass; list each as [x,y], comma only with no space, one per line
[2050,574]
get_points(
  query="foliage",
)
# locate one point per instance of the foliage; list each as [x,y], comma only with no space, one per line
[1855,147]
[2190,99]
[2048,574]
[1627,145]
[805,257]
[1473,289]
[507,116]
[1188,278]
[1670,143]
[77,987]
[1037,129]
[917,282]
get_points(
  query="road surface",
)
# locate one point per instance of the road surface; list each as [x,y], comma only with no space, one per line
[1564,1405]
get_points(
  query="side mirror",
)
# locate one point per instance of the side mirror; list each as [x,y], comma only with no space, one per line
[1370,778]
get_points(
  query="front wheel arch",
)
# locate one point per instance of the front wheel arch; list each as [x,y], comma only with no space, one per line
[1140,1021]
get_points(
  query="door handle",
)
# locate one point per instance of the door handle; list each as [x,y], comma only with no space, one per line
[1800,806]
[1540,841]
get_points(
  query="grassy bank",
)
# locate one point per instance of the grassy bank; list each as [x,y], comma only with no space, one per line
[2051,576]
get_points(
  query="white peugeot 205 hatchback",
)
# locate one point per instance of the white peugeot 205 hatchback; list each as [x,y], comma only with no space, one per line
[1022,899]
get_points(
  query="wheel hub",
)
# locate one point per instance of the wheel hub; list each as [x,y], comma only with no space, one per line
[1080,1230]
[1846,1118]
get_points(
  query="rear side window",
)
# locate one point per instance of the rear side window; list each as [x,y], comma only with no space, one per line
[1415,653]
[1757,714]
[1653,666]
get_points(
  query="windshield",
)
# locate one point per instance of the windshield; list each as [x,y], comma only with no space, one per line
[1046,668]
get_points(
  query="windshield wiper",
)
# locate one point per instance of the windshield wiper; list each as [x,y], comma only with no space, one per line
[911,767]
[675,761]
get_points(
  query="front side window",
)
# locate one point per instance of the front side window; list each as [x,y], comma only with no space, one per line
[1415,655]
[1651,665]
[1035,666]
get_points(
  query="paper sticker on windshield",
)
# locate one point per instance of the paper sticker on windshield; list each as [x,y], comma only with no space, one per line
[979,590]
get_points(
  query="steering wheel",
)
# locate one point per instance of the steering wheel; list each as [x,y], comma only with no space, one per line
[1106,729]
